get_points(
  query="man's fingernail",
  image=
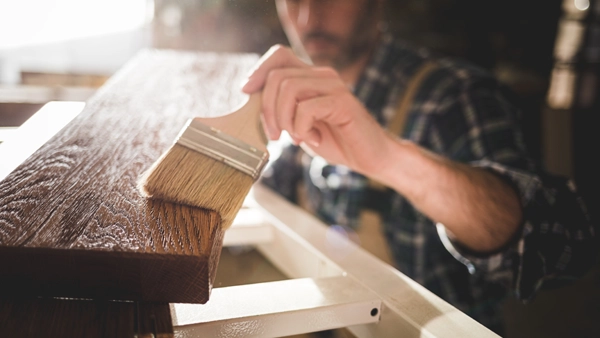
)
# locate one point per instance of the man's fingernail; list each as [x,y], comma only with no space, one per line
[313,143]
[273,135]
[244,83]
[251,71]
[247,84]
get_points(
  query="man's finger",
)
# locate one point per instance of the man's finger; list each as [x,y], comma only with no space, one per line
[278,56]
[309,112]
[294,91]
[272,93]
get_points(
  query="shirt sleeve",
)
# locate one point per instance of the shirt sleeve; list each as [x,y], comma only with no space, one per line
[556,242]
[555,245]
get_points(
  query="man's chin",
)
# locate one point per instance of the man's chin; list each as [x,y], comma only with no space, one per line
[322,59]
[322,54]
[328,56]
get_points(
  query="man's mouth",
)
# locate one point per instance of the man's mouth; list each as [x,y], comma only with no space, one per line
[319,40]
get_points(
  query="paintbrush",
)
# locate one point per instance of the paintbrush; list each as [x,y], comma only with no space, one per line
[213,162]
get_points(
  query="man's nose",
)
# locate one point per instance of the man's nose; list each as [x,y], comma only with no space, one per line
[309,14]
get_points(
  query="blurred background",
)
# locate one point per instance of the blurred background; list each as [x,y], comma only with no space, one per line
[547,51]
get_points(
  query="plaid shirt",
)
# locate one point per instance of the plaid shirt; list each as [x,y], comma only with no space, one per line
[461,112]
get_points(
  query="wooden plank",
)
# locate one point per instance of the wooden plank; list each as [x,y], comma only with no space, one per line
[84,318]
[279,309]
[72,222]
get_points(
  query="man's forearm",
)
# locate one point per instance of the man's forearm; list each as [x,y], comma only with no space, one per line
[477,207]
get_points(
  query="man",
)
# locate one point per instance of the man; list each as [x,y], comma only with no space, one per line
[466,212]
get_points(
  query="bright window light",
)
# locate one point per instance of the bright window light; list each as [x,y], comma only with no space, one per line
[27,22]
[582,5]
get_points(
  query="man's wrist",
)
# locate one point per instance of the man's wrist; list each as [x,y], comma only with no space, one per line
[395,169]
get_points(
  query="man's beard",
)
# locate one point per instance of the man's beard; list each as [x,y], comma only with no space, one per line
[359,43]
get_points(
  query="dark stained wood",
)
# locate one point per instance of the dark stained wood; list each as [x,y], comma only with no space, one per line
[72,222]
[84,318]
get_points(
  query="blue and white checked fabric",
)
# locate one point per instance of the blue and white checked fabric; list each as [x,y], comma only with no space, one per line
[463,113]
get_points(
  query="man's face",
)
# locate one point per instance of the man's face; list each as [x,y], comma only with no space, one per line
[330,32]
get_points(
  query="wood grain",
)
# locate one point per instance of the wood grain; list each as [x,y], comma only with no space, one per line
[84,318]
[72,222]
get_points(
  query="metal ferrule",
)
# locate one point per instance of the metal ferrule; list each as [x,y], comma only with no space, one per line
[222,147]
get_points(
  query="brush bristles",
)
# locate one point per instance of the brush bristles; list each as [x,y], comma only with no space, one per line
[185,176]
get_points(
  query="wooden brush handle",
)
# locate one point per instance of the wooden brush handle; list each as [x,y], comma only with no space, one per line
[243,124]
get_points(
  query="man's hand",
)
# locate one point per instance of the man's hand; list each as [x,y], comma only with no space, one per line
[315,106]
[318,110]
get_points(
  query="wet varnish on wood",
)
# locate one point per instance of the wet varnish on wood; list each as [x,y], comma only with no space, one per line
[72,222]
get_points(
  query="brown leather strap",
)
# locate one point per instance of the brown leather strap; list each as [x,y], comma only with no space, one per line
[377,200]
[396,125]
